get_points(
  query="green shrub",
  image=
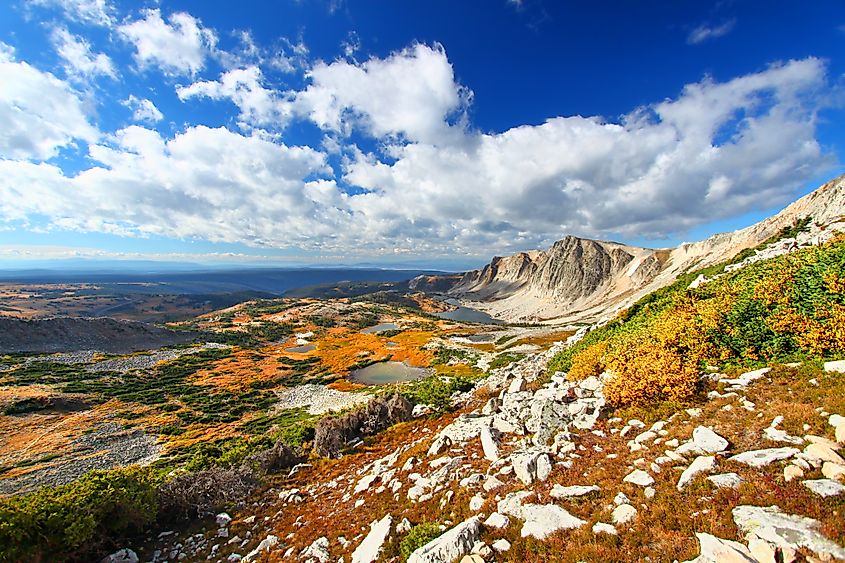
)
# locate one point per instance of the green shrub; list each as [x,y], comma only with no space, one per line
[436,390]
[419,535]
[78,520]
[505,359]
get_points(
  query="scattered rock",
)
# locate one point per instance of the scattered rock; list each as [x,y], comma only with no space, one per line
[501,545]
[785,530]
[701,464]
[820,453]
[791,472]
[833,470]
[542,520]
[602,528]
[369,550]
[746,378]
[476,502]
[266,545]
[837,366]
[489,444]
[317,551]
[124,555]
[453,544]
[497,520]
[762,458]
[825,487]
[717,550]
[560,492]
[708,441]
[623,514]
[404,526]
[640,478]
[777,435]
[531,466]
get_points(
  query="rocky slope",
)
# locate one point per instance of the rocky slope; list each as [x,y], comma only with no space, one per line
[531,472]
[582,280]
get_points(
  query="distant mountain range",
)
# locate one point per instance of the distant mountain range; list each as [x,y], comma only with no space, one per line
[274,281]
[583,280]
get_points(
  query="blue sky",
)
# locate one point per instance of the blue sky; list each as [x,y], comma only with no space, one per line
[392,132]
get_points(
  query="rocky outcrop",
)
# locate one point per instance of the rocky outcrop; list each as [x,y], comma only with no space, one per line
[585,280]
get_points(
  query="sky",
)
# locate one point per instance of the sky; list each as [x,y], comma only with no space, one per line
[432,132]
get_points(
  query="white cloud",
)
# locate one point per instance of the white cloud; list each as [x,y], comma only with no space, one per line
[38,252]
[143,110]
[706,32]
[351,45]
[716,150]
[177,46]
[259,106]
[80,62]
[206,183]
[95,12]
[409,94]
[38,113]
[289,57]
[7,52]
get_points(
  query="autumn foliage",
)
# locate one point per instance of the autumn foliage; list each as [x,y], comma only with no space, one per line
[788,308]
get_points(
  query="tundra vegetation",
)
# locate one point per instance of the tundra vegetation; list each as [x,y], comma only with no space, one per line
[224,442]
[789,308]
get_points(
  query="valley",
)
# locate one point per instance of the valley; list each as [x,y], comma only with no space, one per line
[374,421]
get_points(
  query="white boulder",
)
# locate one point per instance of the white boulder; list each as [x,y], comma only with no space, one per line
[784,530]
[762,458]
[453,544]
[701,464]
[369,550]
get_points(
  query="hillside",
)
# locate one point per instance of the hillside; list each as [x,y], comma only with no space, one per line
[64,334]
[702,422]
[581,280]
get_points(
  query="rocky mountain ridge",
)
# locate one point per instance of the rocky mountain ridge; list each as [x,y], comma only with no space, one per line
[583,280]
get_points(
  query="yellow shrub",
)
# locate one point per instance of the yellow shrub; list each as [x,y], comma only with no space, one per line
[588,362]
[646,371]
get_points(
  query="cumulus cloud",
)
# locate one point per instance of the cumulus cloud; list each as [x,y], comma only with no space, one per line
[143,110]
[39,114]
[94,12]
[717,150]
[206,183]
[410,94]
[177,46]
[705,32]
[258,105]
[434,186]
[80,62]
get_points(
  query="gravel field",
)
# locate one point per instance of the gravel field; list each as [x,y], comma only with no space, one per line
[109,445]
[318,399]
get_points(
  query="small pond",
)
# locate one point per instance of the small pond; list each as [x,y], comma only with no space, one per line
[483,337]
[470,315]
[301,349]
[391,344]
[387,372]
[381,327]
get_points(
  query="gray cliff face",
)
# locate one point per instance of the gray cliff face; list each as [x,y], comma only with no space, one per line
[574,268]
[501,277]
